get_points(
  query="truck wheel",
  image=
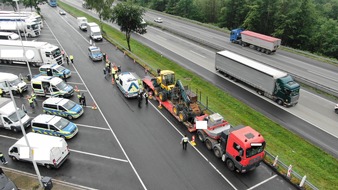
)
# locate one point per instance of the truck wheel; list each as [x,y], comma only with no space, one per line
[162,96]
[69,117]
[48,166]
[230,164]
[217,152]
[258,49]
[14,129]
[208,144]
[262,50]
[201,135]
[260,92]
[14,158]
[156,91]
[279,102]
[183,116]
[268,52]
[176,109]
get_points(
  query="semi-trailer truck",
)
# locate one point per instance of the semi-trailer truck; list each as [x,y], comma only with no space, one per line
[270,82]
[24,26]
[37,53]
[260,42]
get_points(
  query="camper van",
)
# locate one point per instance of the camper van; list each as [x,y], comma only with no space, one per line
[129,83]
[49,151]
[8,117]
[9,36]
[14,83]
[51,86]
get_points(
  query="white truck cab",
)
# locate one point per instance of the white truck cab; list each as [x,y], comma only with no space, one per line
[14,83]
[8,117]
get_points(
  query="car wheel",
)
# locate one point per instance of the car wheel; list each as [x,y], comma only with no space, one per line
[70,117]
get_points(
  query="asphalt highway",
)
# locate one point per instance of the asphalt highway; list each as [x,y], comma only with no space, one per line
[120,146]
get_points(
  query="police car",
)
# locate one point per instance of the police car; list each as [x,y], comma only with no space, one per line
[95,53]
[129,83]
[51,86]
[62,107]
[54,125]
[57,70]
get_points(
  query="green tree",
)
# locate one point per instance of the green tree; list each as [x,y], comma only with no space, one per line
[233,13]
[159,5]
[185,8]
[171,7]
[129,18]
[102,7]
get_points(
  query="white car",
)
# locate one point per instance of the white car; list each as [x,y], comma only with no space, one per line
[62,12]
[158,20]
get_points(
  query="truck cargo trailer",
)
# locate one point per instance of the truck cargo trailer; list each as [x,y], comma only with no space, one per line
[270,82]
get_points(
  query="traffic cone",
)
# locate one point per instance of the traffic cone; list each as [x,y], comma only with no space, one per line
[192,142]
[76,89]
[160,106]
[112,81]
[94,106]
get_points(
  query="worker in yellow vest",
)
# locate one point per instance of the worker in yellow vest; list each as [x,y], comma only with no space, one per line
[71,58]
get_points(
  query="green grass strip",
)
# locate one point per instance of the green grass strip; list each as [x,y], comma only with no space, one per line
[320,168]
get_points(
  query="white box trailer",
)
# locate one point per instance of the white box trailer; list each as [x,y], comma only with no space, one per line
[34,16]
[40,52]
[274,84]
[48,151]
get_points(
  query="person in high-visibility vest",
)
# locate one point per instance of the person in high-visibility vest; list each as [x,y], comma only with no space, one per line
[33,95]
[184,142]
[1,92]
[2,158]
[71,57]
[80,98]
[113,72]
[31,102]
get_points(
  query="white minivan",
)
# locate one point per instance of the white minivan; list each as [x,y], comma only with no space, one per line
[49,151]
[14,83]
[9,36]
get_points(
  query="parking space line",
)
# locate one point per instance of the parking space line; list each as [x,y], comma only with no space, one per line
[9,137]
[93,127]
[78,83]
[98,155]
[262,182]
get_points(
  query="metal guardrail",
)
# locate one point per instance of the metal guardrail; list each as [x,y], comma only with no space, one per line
[290,175]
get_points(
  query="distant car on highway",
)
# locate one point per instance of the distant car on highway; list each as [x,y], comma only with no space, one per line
[62,12]
[336,108]
[158,20]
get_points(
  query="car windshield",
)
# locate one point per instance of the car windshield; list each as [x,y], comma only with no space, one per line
[62,123]
[59,68]
[13,117]
[62,85]
[56,53]
[96,33]
[69,105]
[15,82]
[254,150]
[96,52]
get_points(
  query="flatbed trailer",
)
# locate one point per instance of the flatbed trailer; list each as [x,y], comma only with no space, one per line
[168,105]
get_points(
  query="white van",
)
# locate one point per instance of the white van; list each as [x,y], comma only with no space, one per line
[82,23]
[14,83]
[51,86]
[130,84]
[9,36]
[8,117]
[49,151]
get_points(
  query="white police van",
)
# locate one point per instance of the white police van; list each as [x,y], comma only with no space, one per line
[129,83]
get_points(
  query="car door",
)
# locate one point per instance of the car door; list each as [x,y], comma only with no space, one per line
[6,122]
[63,111]
[54,131]
[14,152]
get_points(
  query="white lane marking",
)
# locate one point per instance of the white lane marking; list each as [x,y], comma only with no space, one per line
[78,151]
[98,155]
[4,136]
[321,74]
[262,182]
[93,127]
[205,158]
[98,108]
[198,54]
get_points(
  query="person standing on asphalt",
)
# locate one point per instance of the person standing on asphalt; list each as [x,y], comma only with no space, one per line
[2,158]
[49,72]
[146,95]
[67,59]
[64,77]
[80,98]
[83,98]
[19,90]
[104,57]
[139,98]
[184,142]
[71,57]
[31,102]
[33,95]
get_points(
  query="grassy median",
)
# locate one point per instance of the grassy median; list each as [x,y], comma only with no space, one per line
[320,168]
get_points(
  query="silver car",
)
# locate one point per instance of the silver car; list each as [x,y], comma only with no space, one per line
[158,20]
